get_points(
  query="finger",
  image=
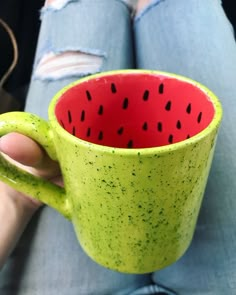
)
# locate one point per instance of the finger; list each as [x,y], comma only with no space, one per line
[18,198]
[27,152]
[21,149]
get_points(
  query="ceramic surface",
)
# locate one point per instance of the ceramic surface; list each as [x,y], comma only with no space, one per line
[134,208]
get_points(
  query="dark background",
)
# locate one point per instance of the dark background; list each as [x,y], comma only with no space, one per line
[23,17]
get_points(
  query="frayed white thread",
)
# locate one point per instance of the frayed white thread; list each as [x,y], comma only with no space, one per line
[66,64]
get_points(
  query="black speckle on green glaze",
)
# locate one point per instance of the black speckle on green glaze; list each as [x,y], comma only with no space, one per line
[133,210]
[161,207]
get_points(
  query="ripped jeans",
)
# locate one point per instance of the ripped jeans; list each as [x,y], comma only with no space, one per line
[81,37]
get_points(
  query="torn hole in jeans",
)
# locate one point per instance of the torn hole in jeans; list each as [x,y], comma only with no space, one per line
[53,66]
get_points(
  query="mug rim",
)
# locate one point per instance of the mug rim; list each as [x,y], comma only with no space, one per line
[214,124]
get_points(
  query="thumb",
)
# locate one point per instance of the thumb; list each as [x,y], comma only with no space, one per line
[21,149]
[27,152]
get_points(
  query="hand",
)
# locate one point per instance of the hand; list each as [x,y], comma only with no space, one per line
[16,209]
[27,154]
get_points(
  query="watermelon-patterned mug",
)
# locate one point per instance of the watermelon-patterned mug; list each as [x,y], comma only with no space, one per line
[135,149]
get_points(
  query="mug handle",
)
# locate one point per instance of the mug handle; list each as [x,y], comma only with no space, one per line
[37,187]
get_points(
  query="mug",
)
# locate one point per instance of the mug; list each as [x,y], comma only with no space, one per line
[135,149]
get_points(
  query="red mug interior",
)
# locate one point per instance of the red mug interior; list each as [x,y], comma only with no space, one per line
[134,110]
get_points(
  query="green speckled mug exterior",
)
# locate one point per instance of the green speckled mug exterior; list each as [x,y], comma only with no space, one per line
[134,208]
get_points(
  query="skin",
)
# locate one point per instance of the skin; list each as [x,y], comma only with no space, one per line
[141,5]
[16,209]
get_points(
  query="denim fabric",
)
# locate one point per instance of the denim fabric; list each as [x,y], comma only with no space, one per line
[73,29]
[201,45]
[193,38]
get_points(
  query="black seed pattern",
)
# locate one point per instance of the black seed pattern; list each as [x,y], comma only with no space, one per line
[188,136]
[100,135]
[130,144]
[145,95]
[100,110]
[82,117]
[159,126]
[89,97]
[178,125]
[189,109]
[113,88]
[199,118]
[120,130]
[62,124]
[170,139]
[145,126]
[161,88]
[125,103]
[69,116]
[73,130]
[88,132]
[168,106]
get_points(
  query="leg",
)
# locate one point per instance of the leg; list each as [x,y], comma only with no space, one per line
[194,38]
[48,260]
[88,40]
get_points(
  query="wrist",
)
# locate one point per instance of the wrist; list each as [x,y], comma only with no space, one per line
[15,213]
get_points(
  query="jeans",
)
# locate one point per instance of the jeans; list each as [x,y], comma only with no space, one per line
[189,37]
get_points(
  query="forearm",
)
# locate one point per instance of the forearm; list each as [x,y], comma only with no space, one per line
[15,213]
